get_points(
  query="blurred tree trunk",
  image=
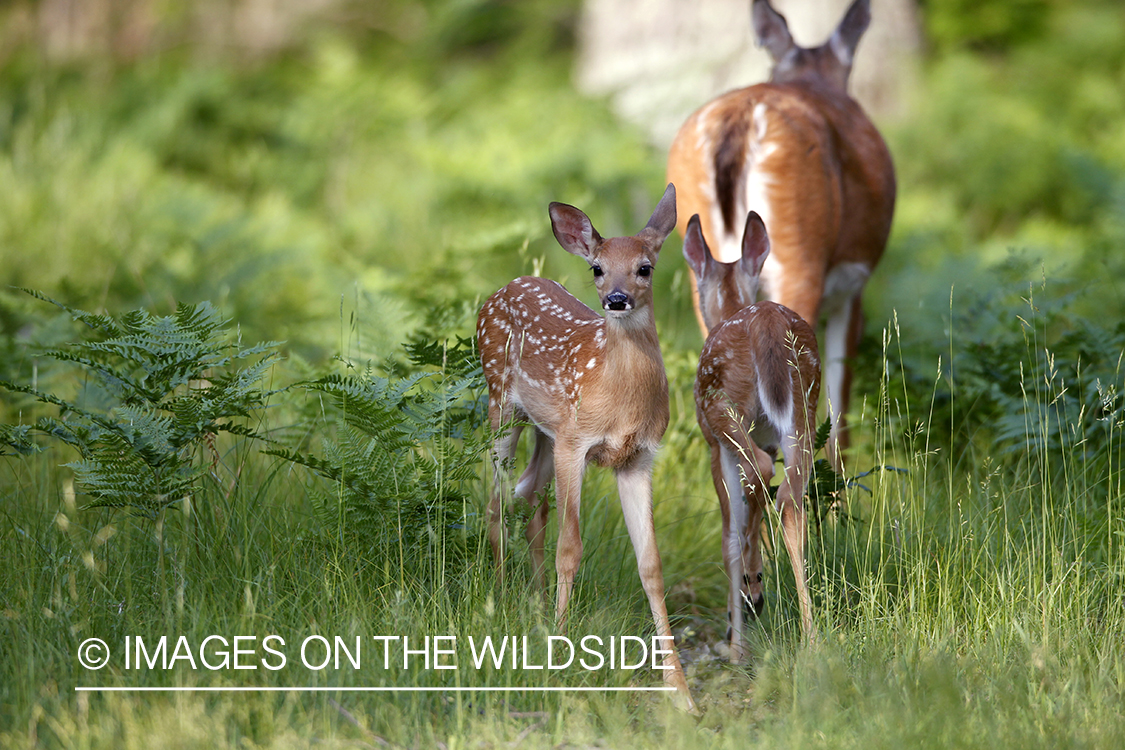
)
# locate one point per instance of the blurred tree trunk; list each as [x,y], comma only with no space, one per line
[79,28]
[126,29]
[660,60]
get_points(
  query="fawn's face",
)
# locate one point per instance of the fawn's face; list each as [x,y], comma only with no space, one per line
[623,268]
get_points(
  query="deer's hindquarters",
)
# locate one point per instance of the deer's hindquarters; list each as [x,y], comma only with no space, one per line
[758,379]
[764,148]
[804,156]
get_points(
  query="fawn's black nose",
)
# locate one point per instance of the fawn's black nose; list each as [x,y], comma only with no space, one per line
[616,301]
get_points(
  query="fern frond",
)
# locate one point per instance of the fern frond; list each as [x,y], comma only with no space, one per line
[822,434]
[16,440]
[64,405]
[102,323]
[402,454]
[172,385]
[460,359]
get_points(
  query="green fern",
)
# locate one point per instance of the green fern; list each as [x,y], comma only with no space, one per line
[16,440]
[404,452]
[827,489]
[172,383]
[822,434]
[461,359]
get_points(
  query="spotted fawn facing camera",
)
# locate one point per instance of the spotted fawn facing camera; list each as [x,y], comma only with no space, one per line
[756,391]
[594,390]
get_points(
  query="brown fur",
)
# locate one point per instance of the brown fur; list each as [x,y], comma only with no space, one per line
[754,350]
[730,157]
[823,169]
[594,389]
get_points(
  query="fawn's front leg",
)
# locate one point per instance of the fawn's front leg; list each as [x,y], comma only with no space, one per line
[634,485]
[570,463]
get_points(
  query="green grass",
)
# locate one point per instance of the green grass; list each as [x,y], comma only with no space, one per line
[366,186]
[957,607]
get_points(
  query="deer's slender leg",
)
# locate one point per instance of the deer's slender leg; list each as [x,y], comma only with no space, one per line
[531,487]
[569,467]
[634,485]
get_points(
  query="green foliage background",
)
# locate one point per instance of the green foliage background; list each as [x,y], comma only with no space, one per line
[355,193]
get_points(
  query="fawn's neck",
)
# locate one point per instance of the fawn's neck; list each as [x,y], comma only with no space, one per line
[632,350]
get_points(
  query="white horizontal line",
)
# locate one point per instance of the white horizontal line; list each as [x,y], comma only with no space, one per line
[322,689]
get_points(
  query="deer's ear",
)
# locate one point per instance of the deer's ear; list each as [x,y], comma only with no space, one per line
[846,37]
[770,29]
[696,252]
[663,219]
[755,244]
[573,230]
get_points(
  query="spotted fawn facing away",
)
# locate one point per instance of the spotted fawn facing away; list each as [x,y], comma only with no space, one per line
[756,390]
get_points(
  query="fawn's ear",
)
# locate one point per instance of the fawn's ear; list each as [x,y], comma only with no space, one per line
[696,252]
[573,230]
[663,219]
[770,30]
[846,37]
[755,244]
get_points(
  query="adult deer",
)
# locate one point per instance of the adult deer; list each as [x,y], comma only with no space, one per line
[800,152]
[595,390]
[755,391]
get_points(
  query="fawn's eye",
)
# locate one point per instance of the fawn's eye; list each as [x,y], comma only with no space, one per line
[645,270]
[597,270]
